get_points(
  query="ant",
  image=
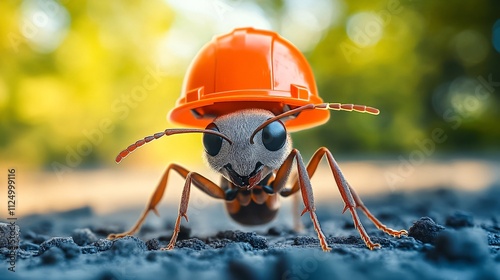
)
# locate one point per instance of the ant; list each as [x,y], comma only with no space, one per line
[249,145]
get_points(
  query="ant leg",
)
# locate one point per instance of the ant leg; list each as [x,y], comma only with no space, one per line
[298,226]
[345,192]
[154,200]
[349,196]
[203,184]
[306,190]
[348,192]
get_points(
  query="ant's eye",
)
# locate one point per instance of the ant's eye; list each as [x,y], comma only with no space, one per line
[211,142]
[274,136]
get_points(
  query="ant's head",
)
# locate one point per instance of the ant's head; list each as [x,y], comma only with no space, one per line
[254,150]
[245,146]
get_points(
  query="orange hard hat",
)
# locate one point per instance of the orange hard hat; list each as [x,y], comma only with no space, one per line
[244,69]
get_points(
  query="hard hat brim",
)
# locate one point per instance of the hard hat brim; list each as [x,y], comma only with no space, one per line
[201,112]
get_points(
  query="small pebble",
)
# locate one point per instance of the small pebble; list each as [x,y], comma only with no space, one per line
[83,236]
[128,245]
[425,230]
[153,244]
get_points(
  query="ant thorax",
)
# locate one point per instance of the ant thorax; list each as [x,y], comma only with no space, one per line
[246,160]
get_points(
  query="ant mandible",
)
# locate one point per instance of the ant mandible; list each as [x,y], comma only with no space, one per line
[248,89]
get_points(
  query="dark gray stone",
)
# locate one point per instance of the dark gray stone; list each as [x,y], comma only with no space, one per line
[425,230]
[153,244]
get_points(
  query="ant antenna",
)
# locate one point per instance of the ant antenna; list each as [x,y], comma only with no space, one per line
[322,106]
[167,132]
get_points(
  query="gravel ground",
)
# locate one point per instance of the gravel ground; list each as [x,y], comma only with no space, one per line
[452,235]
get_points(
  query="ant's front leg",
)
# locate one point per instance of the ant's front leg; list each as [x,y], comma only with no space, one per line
[348,192]
[209,187]
[304,184]
[153,201]
[203,184]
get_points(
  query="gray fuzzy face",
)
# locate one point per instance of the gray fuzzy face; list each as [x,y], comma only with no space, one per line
[243,163]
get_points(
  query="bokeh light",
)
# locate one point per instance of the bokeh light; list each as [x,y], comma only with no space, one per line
[44,24]
[365,29]
[471,46]
[304,22]
[460,98]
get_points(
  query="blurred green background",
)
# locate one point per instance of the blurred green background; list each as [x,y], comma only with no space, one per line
[73,91]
